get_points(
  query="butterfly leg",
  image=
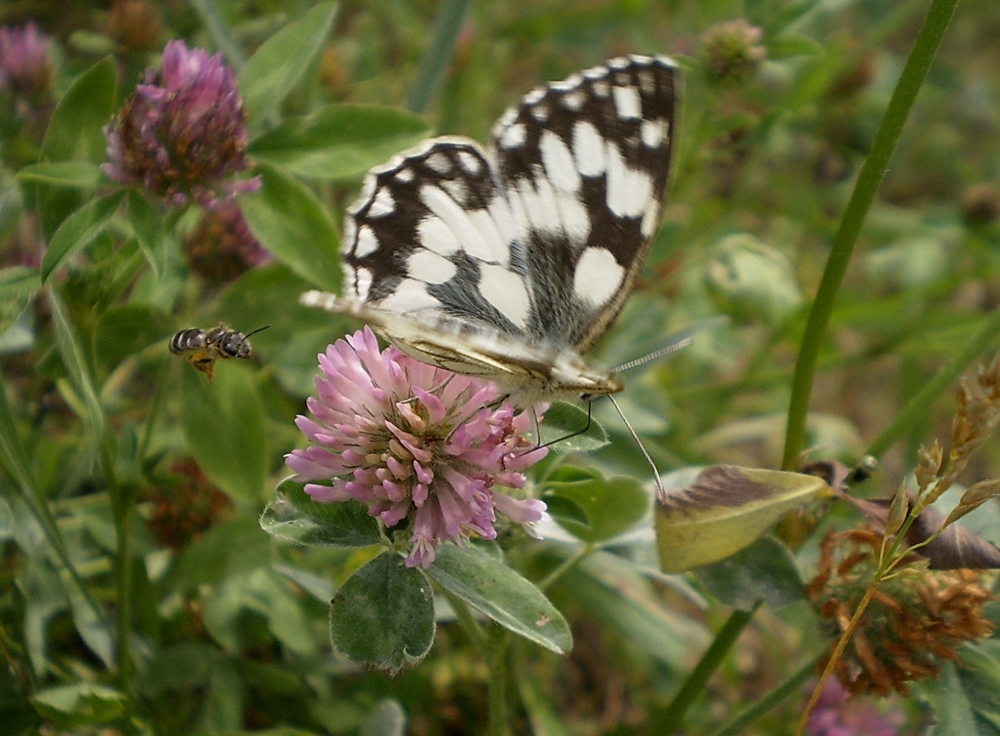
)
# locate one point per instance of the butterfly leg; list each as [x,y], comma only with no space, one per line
[586,428]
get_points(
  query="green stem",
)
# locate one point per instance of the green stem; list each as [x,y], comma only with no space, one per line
[980,341]
[437,54]
[560,569]
[154,412]
[869,179]
[497,663]
[669,720]
[740,724]
[493,647]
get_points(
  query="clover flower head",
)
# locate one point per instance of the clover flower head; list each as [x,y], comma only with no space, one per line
[25,66]
[731,51]
[422,447]
[182,133]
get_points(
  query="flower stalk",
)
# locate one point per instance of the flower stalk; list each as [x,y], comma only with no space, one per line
[872,171]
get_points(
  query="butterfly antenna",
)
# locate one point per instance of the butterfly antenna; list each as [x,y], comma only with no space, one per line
[661,493]
[677,341]
[673,347]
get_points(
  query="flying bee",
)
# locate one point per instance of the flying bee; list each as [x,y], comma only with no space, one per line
[202,348]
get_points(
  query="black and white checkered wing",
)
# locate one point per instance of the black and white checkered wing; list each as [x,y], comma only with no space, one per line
[512,263]
[584,163]
[432,238]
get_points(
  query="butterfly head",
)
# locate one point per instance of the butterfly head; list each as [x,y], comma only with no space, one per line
[572,376]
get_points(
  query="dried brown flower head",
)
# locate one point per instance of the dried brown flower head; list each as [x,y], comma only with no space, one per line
[135,24]
[915,622]
[980,204]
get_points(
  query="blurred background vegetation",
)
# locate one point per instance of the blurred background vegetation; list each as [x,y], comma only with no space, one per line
[781,101]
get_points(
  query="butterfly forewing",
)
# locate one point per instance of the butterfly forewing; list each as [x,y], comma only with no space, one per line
[511,263]
[584,163]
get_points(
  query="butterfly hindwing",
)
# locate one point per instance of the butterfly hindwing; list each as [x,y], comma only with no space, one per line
[432,236]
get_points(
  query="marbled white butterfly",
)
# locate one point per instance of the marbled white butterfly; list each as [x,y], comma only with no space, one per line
[511,263]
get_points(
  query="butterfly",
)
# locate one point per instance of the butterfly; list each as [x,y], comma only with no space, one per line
[510,263]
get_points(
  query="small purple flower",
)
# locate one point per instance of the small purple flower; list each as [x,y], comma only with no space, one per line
[837,714]
[183,131]
[25,66]
[415,443]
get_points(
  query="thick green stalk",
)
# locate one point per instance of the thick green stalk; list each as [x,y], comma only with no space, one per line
[122,496]
[497,663]
[492,646]
[919,62]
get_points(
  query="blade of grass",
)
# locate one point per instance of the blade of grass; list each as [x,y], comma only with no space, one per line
[17,465]
[75,359]
[982,339]
[670,719]
[739,724]
[872,171]
[437,54]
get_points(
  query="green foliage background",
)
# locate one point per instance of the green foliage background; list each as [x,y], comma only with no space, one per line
[220,628]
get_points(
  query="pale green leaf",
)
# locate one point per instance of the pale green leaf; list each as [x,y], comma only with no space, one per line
[80,704]
[292,224]
[278,65]
[339,141]
[76,174]
[488,585]
[568,428]
[224,427]
[723,511]
[78,231]
[294,516]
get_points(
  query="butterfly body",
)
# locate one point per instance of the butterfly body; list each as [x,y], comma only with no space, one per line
[510,263]
[530,372]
